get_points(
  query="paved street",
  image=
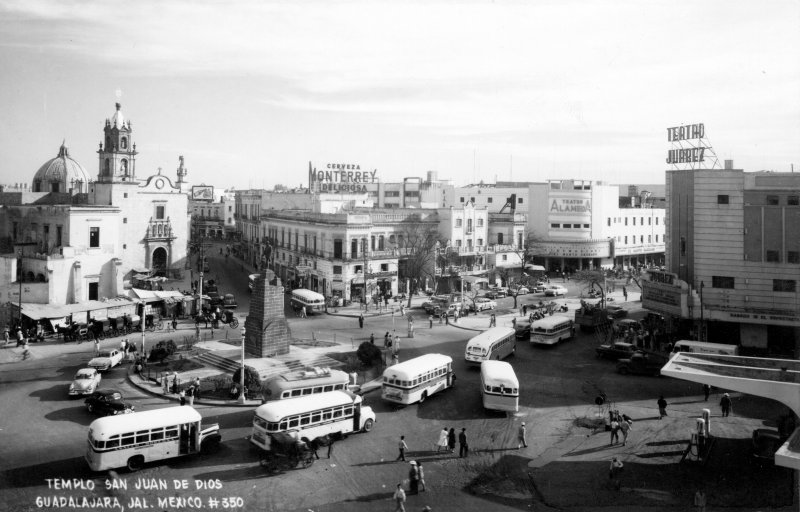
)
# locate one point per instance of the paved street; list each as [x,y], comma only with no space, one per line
[566,464]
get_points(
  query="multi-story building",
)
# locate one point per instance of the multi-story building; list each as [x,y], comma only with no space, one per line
[212,217]
[464,231]
[732,258]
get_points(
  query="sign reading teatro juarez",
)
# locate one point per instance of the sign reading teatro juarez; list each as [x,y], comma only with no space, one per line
[341,178]
[688,146]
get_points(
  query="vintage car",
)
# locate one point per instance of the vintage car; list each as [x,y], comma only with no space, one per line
[106,360]
[85,382]
[106,402]
[522,330]
[616,350]
[540,286]
[616,311]
[523,290]
[496,293]
[482,303]
[555,290]
[229,301]
[641,364]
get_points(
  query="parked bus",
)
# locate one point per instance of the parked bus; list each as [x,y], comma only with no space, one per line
[133,439]
[305,382]
[309,417]
[418,378]
[302,298]
[551,330]
[499,386]
[703,347]
[494,343]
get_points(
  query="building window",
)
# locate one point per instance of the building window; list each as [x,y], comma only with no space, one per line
[626,221]
[480,241]
[357,269]
[519,200]
[793,200]
[555,225]
[458,242]
[124,246]
[586,226]
[783,285]
[649,239]
[722,282]
[125,220]
[59,231]
[774,256]
[125,195]
[93,288]
[160,212]
[337,270]
[793,257]
[94,237]
[489,200]
[566,226]
[634,220]
[458,223]
[609,221]
[462,199]
[723,199]
[499,238]
[626,240]
[649,221]
[683,246]
[773,200]
[384,267]
[472,200]
[505,257]
[656,238]
[641,239]
[480,223]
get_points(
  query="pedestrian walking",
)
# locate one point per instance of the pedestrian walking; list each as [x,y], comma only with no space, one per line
[174,323]
[123,346]
[521,311]
[521,437]
[197,332]
[625,293]
[725,403]
[197,388]
[700,500]
[413,478]
[331,439]
[190,395]
[446,319]
[402,446]
[614,470]
[395,358]
[442,442]
[396,344]
[421,475]
[400,499]
[372,338]
[430,321]
[361,320]
[451,440]
[662,407]
[706,391]
[463,446]
[625,428]
[524,310]
[514,322]
[387,340]
[614,430]
[402,312]
[96,346]
[6,334]
[182,396]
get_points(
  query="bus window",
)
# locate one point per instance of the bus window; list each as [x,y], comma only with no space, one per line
[307,391]
[305,419]
[283,426]
[297,392]
[294,422]
[286,394]
[315,417]
[327,415]
[327,388]
[318,389]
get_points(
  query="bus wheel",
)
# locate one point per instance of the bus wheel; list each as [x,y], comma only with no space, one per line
[135,463]
[423,397]
[368,425]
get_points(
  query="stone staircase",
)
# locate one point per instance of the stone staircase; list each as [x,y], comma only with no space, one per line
[297,359]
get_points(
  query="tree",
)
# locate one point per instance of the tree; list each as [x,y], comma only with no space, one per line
[251,379]
[525,253]
[368,354]
[593,279]
[418,236]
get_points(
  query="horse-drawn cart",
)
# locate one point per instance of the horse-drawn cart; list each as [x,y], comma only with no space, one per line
[286,452]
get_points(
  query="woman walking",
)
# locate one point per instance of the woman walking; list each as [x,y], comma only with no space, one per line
[451,440]
[442,442]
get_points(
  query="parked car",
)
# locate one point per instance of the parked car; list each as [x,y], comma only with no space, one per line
[555,290]
[616,350]
[616,311]
[522,290]
[449,308]
[482,303]
[522,330]
[496,293]
[229,301]
[641,364]
[105,402]
[429,307]
[539,287]
[85,382]
[106,360]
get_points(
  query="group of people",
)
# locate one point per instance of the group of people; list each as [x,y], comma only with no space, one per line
[620,423]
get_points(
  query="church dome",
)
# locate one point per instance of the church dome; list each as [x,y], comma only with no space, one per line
[61,174]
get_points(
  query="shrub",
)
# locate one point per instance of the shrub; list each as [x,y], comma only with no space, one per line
[368,353]
[251,379]
[158,354]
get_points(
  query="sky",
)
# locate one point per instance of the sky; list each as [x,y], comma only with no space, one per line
[251,92]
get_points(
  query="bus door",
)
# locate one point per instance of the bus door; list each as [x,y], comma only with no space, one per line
[357,417]
[189,435]
[451,376]
[184,439]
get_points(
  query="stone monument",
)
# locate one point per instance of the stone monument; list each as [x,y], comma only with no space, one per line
[267,332]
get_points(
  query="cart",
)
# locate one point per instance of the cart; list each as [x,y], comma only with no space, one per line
[286,452]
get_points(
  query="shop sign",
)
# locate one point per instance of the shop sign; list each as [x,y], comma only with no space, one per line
[665,298]
[341,178]
[754,318]
[662,277]
[587,250]
[563,205]
[386,273]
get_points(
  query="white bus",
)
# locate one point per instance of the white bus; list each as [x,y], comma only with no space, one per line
[133,439]
[551,330]
[703,347]
[494,343]
[418,378]
[305,382]
[309,417]
[310,301]
[499,386]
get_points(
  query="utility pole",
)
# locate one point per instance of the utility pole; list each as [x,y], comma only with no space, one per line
[19,278]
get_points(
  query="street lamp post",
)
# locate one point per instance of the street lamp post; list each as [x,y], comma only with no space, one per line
[19,278]
[241,373]
[700,335]
[364,252]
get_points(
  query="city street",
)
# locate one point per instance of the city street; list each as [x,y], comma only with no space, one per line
[558,387]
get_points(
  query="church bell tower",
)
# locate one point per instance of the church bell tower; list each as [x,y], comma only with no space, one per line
[118,152]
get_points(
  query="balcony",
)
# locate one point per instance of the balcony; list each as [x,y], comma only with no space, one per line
[467,249]
[462,270]
[159,230]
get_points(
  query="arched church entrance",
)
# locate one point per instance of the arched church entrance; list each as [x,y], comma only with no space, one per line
[160,261]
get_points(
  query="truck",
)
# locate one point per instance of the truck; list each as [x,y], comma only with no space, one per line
[641,363]
[590,316]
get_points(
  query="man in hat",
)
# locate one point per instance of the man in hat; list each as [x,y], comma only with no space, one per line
[725,403]
[413,478]
[521,434]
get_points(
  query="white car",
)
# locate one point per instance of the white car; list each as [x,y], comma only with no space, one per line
[106,360]
[555,291]
[482,303]
[85,382]
[522,290]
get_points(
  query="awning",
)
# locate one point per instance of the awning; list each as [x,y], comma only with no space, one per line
[474,279]
[142,270]
[39,311]
[535,268]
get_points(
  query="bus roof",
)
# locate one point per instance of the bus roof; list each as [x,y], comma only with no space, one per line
[410,368]
[499,371]
[103,428]
[309,376]
[490,335]
[550,321]
[307,296]
[279,409]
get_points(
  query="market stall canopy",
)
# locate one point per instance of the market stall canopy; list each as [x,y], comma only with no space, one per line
[142,271]
[60,311]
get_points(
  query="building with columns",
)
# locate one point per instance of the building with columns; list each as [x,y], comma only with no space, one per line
[74,239]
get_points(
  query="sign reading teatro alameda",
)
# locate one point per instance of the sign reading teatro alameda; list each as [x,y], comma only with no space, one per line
[690,148]
[563,205]
[341,178]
